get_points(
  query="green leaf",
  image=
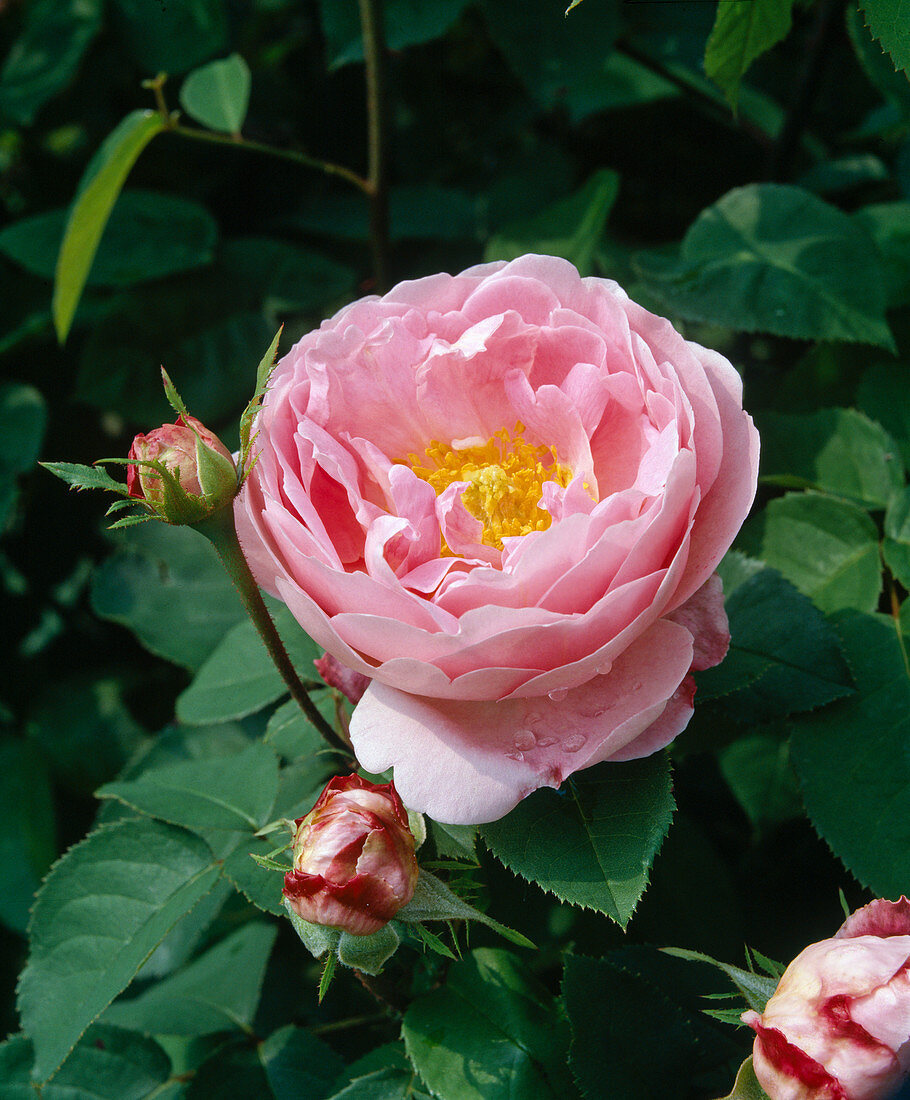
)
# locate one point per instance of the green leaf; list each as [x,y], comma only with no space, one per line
[23,418]
[561,62]
[828,548]
[383,1074]
[743,30]
[106,1064]
[776,259]
[291,1064]
[784,657]
[98,192]
[218,94]
[239,677]
[172,37]
[298,1064]
[218,991]
[292,734]
[878,65]
[103,909]
[490,1033]
[896,545]
[407,23]
[167,585]
[27,833]
[761,777]
[835,450]
[420,211]
[613,1051]
[572,228]
[258,885]
[884,395]
[433,900]
[746,1086]
[888,224]
[45,57]
[148,235]
[226,792]
[593,842]
[852,761]
[84,729]
[887,20]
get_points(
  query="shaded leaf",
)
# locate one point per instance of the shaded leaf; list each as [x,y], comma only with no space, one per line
[167,585]
[887,19]
[218,94]
[234,792]
[219,991]
[773,258]
[836,450]
[172,37]
[104,907]
[148,235]
[46,55]
[783,657]
[827,548]
[27,832]
[593,842]
[490,1032]
[852,763]
[239,677]
[896,544]
[407,23]
[572,228]
[743,30]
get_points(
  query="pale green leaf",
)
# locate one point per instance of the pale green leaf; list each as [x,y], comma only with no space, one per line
[743,30]
[99,189]
[218,94]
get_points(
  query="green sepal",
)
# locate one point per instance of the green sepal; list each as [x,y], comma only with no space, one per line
[433,900]
[174,398]
[755,989]
[217,474]
[368,953]
[78,476]
[316,938]
[263,373]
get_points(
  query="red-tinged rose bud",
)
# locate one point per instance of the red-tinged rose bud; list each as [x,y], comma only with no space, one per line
[838,1025]
[346,680]
[354,864]
[199,473]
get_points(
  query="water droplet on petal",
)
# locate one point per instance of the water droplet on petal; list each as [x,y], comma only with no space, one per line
[637,686]
[525,740]
[604,668]
[546,742]
[519,756]
[558,694]
[574,742]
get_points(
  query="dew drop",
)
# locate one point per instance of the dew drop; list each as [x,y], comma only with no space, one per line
[558,694]
[637,686]
[546,742]
[574,742]
[519,756]
[603,669]
[525,740]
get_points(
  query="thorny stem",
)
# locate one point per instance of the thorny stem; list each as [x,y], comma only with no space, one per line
[219,529]
[379,990]
[377,175]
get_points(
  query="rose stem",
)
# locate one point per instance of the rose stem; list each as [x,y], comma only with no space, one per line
[219,529]
[238,141]
[374,52]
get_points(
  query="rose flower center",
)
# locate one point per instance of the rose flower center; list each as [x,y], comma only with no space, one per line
[505,479]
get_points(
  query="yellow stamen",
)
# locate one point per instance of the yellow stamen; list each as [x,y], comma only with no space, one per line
[505,477]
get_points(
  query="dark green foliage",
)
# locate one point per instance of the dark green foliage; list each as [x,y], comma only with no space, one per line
[145,733]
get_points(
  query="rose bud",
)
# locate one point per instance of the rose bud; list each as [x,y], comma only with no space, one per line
[199,465]
[838,1025]
[354,864]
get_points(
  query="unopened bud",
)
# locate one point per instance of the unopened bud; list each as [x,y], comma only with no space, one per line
[354,864]
[182,471]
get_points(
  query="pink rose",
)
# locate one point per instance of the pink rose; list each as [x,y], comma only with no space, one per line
[502,496]
[838,1025]
[354,864]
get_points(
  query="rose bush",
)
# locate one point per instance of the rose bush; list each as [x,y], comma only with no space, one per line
[502,496]
[354,864]
[838,1025]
